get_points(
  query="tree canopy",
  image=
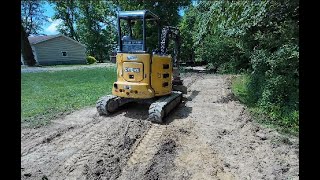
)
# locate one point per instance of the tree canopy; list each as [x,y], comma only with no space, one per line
[260,38]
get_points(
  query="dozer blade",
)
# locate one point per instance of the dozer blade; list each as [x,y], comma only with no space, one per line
[163,106]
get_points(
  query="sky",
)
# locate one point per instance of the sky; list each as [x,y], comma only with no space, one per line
[50,28]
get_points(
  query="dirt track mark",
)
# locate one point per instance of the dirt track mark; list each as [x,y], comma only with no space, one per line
[75,153]
[148,146]
[144,151]
[209,136]
[162,162]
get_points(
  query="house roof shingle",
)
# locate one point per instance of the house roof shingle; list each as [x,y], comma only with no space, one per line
[38,39]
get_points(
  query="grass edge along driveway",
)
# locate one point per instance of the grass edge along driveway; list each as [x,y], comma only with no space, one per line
[45,95]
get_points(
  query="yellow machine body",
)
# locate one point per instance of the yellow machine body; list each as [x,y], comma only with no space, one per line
[142,76]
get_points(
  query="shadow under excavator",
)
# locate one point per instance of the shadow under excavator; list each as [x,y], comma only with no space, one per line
[193,95]
[133,110]
[140,111]
[182,111]
[137,110]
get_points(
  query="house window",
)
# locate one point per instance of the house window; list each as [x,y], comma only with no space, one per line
[64,53]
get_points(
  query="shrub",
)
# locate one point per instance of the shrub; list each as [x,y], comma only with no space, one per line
[91,60]
[259,38]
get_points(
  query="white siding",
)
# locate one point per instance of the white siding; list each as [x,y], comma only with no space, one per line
[50,51]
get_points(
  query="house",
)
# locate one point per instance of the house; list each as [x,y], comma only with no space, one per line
[57,49]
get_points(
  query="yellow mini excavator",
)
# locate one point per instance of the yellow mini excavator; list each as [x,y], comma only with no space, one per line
[144,75]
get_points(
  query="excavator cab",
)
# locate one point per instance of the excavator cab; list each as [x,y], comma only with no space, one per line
[132,30]
[144,75]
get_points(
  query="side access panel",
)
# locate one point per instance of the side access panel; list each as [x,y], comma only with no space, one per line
[161,75]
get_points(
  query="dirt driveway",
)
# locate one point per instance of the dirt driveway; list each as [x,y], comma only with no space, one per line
[209,136]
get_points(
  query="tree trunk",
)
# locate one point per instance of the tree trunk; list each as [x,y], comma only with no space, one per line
[26,49]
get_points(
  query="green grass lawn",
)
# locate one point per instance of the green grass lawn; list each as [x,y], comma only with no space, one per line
[45,95]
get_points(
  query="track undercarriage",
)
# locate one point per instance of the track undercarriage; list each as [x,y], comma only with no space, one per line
[158,109]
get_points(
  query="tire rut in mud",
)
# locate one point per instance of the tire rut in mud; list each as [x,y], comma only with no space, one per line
[105,155]
[94,148]
[142,154]
[162,162]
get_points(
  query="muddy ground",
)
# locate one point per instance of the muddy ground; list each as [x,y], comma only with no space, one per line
[209,136]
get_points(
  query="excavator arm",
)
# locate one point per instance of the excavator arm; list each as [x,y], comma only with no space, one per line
[170,33]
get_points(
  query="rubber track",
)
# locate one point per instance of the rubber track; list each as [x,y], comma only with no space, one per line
[102,103]
[160,108]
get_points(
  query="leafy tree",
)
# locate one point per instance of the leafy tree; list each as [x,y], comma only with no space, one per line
[93,15]
[258,37]
[26,49]
[186,27]
[32,18]
[67,11]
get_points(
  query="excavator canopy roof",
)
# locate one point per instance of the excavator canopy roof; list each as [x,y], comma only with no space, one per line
[137,14]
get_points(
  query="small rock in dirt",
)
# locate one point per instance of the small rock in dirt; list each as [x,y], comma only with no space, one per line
[286,140]
[285,169]
[256,129]
[98,171]
[44,177]
[27,174]
[223,132]
[184,131]
[100,162]
[262,136]
[137,136]
[226,164]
